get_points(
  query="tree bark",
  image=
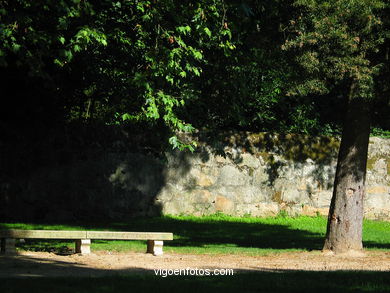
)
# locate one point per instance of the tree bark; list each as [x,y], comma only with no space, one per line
[345,220]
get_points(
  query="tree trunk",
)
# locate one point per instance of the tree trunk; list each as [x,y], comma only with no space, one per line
[345,220]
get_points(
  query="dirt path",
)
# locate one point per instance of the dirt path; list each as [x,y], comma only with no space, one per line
[103,263]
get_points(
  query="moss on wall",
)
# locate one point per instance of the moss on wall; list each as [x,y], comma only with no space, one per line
[371,163]
[388,166]
[294,147]
[277,197]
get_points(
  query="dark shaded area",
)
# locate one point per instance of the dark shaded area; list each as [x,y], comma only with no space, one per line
[136,280]
[374,245]
[89,184]
[53,166]
[56,163]
[53,169]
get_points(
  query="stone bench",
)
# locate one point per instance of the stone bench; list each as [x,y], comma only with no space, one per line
[83,238]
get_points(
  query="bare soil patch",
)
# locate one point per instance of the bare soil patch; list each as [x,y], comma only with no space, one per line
[44,264]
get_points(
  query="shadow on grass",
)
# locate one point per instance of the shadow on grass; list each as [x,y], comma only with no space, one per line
[203,233]
[46,278]
[375,245]
[256,235]
[189,233]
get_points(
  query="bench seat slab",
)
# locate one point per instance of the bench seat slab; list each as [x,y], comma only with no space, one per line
[83,238]
[43,234]
[107,235]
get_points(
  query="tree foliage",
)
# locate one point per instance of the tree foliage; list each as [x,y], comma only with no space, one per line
[135,60]
[334,42]
[209,64]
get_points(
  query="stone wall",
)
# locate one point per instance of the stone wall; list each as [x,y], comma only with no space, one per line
[291,173]
[234,173]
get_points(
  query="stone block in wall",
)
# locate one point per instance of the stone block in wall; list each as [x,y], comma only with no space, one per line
[260,209]
[233,193]
[169,192]
[313,211]
[178,205]
[231,176]
[380,166]
[224,205]
[321,199]
[222,159]
[200,179]
[379,201]
[378,147]
[202,197]
[294,196]
[260,177]
[377,213]
[212,170]
[378,189]
[251,194]
[248,160]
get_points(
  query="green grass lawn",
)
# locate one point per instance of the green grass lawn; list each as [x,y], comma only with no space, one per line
[216,234]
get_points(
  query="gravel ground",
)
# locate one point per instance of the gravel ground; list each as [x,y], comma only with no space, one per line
[43,264]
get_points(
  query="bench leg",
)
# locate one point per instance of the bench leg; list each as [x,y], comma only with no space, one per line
[155,247]
[83,246]
[8,246]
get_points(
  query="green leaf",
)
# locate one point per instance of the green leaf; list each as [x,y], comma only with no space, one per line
[126,117]
[15,47]
[227,32]
[207,31]
[58,62]
[68,54]
[198,55]
[170,79]
[196,71]
[184,29]
[180,42]
[174,141]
